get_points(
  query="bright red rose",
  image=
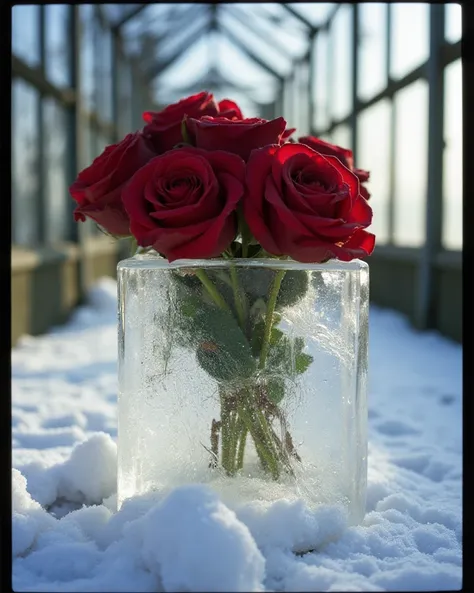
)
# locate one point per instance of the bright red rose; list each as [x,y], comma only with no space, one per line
[98,188]
[229,110]
[343,154]
[286,135]
[236,136]
[183,203]
[301,203]
[164,127]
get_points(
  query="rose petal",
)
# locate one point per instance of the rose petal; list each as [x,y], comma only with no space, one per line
[235,136]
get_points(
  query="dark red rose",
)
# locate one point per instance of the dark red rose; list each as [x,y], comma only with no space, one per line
[183,203]
[98,188]
[301,203]
[164,127]
[237,136]
[229,110]
[343,154]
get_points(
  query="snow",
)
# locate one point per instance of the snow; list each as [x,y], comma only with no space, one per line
[68,536]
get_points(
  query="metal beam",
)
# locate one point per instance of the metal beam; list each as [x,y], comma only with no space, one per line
[330,18]
[248,52]
[133,13]
[426,295]
[183,48]
[248,23]
[300,17]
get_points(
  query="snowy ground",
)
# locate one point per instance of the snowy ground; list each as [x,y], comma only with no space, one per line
[68,537]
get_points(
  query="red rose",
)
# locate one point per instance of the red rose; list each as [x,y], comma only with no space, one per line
[343,154]
[229,110]
[98,188]
[183,203]
[237,136]
[286,135]
[164,127]
[306,205]
[363,176]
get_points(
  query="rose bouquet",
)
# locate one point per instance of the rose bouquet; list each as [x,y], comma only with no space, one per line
[200,181]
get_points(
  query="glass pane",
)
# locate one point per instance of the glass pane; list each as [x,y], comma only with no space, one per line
[87,155]
[87,56]
[303,81]
[287,103]
[295,102]
[373,154]
[116,12]
[372,50]
[410,37]
[341,67]
[342,136]
[411,148]
[55,149]
[139,102]
[103,70]
[25,163]
[125,97]
[102,141]
[320,65]
[453,23]
[94,144]
[300,90]
[452,165]
[26,33]
[58,44]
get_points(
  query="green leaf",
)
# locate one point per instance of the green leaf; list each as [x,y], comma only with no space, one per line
[293,288]
[223,351]
[257,336]
[286,356]
[302,362]
[298,345]
[276,390]
[279,356]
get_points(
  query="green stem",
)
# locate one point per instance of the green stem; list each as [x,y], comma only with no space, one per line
[184,131]
[239,302]
[235,431]
[133,245]
[263,444]
[225,435]
[272,299]
[212,290]
[241,449]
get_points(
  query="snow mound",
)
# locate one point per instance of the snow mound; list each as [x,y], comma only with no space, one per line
[195,543]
